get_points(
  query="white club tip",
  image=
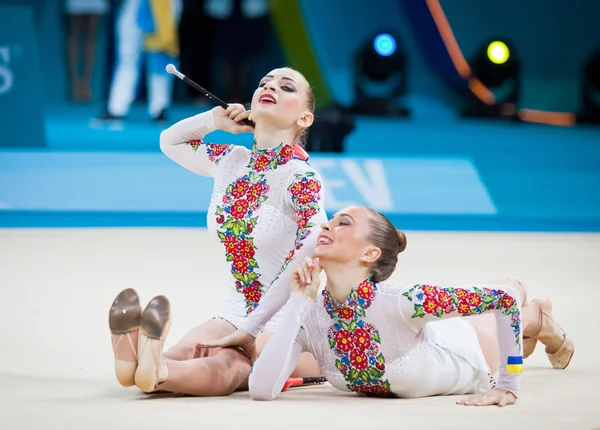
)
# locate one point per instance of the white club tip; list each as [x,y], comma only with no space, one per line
[171,69]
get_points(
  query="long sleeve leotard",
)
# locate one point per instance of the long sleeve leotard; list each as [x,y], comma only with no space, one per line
[265,211]
[391,341]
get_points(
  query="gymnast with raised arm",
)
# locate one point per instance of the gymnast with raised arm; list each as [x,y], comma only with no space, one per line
[265,209]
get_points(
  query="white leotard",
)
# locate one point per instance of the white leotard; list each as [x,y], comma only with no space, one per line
[393,341]
[266,210]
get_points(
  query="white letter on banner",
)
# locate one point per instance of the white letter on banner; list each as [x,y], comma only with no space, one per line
[375,189]
[6,75]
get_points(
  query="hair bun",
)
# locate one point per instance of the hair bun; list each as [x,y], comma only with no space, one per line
[402,238]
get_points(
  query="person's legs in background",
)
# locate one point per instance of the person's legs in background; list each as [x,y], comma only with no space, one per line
[129,39]
[160,83]
[83,18]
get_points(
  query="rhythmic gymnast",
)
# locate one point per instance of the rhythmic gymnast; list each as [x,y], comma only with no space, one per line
[384,340]
[266,206]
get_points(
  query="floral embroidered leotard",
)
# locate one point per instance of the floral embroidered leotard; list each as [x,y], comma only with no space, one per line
[265,211]
[390,341]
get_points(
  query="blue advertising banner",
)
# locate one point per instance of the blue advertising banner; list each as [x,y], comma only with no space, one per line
[93,189]
[21,92]
[151,183]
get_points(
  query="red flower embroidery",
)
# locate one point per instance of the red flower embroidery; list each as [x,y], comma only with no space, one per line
[218,149]
[507,301]
[356,343]
[305,198]
[240,264]
[361,339]
[229,243]
[463,307]
[430,305]
[358,359]
[239,209]
[346,313]
[343,342]
[263,159]
[309,213]
[365,290]
[252,294]
[215,152]
[302,222]
[444,299]
[461,293]
[469,302]
[474,299]
[287,152]
[296,188]
[261,164]
[240,189]
[244,249]
[313,186]
[429,290]
[255,191]
[237,218]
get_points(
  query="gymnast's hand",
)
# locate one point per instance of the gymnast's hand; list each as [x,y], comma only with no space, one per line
[240,338]
[229,119]
[497,396]
[306,278]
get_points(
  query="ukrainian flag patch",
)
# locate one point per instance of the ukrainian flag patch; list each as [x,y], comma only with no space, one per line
[514,364]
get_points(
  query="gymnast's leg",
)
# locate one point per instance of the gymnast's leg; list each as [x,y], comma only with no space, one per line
[193,371]
[558,345]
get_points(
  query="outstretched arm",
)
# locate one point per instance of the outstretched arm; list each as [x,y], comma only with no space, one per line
[282,352]
[306,194]
[424,303]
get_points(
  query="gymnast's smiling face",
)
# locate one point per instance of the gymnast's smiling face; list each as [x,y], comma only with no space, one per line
[344,239]
[284,99]
[359,236]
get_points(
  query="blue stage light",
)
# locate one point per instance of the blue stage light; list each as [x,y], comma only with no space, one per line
[385,45]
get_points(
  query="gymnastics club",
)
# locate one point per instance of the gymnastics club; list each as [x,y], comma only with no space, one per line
[173,71]
[295,382]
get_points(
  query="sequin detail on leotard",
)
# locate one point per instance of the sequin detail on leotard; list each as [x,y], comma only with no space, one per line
[437,301]
[214,151]
[356,343]
[237,221]
[305,192]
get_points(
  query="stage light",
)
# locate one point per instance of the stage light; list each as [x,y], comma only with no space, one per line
[591,90]
[380,77]
[498,52]
[495,72]
[385,44]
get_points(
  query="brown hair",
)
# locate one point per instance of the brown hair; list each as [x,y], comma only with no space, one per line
[390,240]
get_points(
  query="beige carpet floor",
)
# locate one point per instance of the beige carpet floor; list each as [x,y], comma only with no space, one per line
[56,361]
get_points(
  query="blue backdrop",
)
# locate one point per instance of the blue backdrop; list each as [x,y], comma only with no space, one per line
[22,100]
